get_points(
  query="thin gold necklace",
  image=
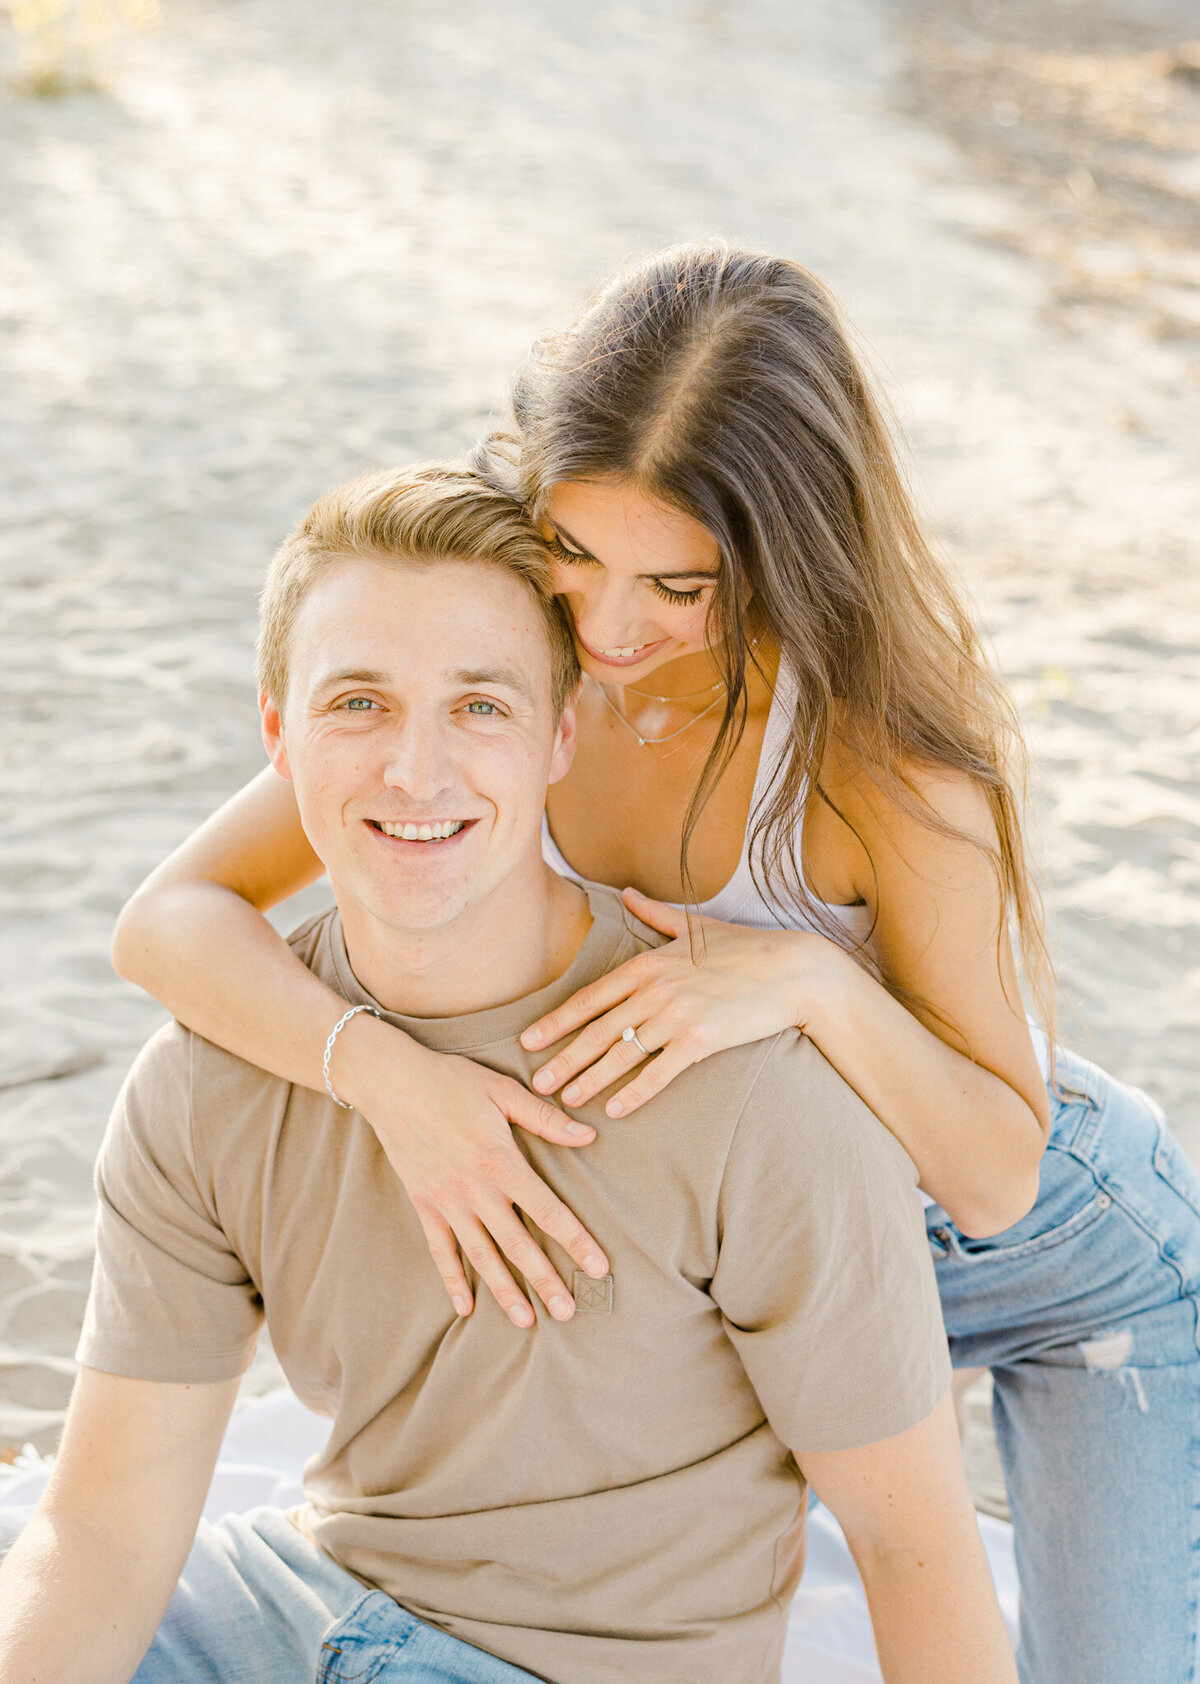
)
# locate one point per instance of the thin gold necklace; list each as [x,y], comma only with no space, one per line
[651,742]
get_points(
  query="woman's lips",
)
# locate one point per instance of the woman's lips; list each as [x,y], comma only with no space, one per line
[639,655]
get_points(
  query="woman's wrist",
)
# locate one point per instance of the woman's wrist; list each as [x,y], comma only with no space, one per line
[822,976]
[367,1058]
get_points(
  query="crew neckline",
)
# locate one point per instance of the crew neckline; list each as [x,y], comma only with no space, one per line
[472,1030]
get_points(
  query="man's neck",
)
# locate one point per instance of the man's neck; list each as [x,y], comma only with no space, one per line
[520,940]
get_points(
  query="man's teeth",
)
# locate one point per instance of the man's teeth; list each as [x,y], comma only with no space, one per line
[423,832]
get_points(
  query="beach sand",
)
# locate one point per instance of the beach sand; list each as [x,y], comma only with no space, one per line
[283,243]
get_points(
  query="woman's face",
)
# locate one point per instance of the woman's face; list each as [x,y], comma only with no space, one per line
[637,576]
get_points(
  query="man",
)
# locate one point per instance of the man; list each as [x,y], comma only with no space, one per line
[615,1497]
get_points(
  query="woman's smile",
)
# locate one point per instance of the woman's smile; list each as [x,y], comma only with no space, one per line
[629,656]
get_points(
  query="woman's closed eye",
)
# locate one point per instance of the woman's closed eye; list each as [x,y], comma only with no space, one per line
[661,588]
[573,557]
[578,558]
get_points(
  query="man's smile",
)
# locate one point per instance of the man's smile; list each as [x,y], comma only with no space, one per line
[422,831]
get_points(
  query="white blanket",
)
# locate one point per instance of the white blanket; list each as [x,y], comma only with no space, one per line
[829,1634]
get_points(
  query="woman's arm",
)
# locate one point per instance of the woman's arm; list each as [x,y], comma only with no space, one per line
[959,1084]
[974,1123]
[194,936]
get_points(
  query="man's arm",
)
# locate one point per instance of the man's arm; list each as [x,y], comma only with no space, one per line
[904,1507]
[83,1589]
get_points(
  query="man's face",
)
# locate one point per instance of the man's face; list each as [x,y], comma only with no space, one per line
[419,697]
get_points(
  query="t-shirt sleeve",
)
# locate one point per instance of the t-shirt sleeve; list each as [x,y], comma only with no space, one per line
[170,1300]
[824,1277]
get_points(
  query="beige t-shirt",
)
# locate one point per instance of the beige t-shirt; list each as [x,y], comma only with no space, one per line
[610,1499]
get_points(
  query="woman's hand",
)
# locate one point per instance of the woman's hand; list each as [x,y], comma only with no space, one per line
[450,1142]
[743,985]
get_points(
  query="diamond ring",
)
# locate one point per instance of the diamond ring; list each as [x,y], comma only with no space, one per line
[631,1034]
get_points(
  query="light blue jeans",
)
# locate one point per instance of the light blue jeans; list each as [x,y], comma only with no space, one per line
[1088,1315]
[258,1603]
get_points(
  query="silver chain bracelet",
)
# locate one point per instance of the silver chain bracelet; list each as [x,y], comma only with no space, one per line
[333,1035]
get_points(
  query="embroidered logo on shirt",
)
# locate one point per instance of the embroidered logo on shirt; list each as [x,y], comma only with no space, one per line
[593,1295]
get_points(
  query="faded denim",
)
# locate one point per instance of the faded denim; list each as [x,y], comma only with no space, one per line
[257,1603]
[1087,1312]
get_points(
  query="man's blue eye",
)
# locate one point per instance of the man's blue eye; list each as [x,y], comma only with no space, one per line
[360,704]
[490,706]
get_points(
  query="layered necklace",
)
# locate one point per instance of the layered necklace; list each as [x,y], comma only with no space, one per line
[652,742]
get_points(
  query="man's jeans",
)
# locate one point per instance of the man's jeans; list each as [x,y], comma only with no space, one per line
[1087,1312]
[258,1604]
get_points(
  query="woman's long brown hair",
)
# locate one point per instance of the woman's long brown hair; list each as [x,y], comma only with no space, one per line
[723,382]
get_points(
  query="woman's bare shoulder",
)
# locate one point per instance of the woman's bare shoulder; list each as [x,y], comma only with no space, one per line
[913,808]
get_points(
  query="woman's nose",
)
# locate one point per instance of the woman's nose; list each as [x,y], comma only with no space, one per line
[608,613]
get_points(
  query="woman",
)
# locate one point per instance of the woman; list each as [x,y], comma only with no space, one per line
[787,724]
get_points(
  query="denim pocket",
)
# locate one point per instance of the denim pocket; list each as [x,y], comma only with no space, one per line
[1027,1237]
[1070,1200]
[363,1643]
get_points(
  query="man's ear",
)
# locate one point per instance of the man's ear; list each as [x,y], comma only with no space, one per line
[272,735]
[564,744]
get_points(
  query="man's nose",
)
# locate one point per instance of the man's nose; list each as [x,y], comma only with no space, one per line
[417,760]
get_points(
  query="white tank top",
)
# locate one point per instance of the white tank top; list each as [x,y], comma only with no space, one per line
[741,901]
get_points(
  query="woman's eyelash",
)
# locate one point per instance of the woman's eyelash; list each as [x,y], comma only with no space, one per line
[668,595]
[577,558]
[564,554]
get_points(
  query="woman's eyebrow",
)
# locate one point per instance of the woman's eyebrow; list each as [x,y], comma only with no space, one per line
[685,573]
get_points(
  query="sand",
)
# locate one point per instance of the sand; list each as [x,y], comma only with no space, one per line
[282,243]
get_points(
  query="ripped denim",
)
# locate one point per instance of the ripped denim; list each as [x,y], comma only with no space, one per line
[1087,1312]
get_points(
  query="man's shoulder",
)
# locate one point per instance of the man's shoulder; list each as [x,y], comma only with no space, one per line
[163,1066]
[796,1095]
[782,1093]
[631,936]
[178,1073]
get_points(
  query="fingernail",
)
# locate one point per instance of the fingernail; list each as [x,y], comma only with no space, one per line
[614,1108]
[561,1308]
[543,1080]
[596,1266]
[579,1129]
[462,1305]
[572,1095]
[531,1038]
[521,1315]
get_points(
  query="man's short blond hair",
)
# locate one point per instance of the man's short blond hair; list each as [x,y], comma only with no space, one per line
[410,517]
